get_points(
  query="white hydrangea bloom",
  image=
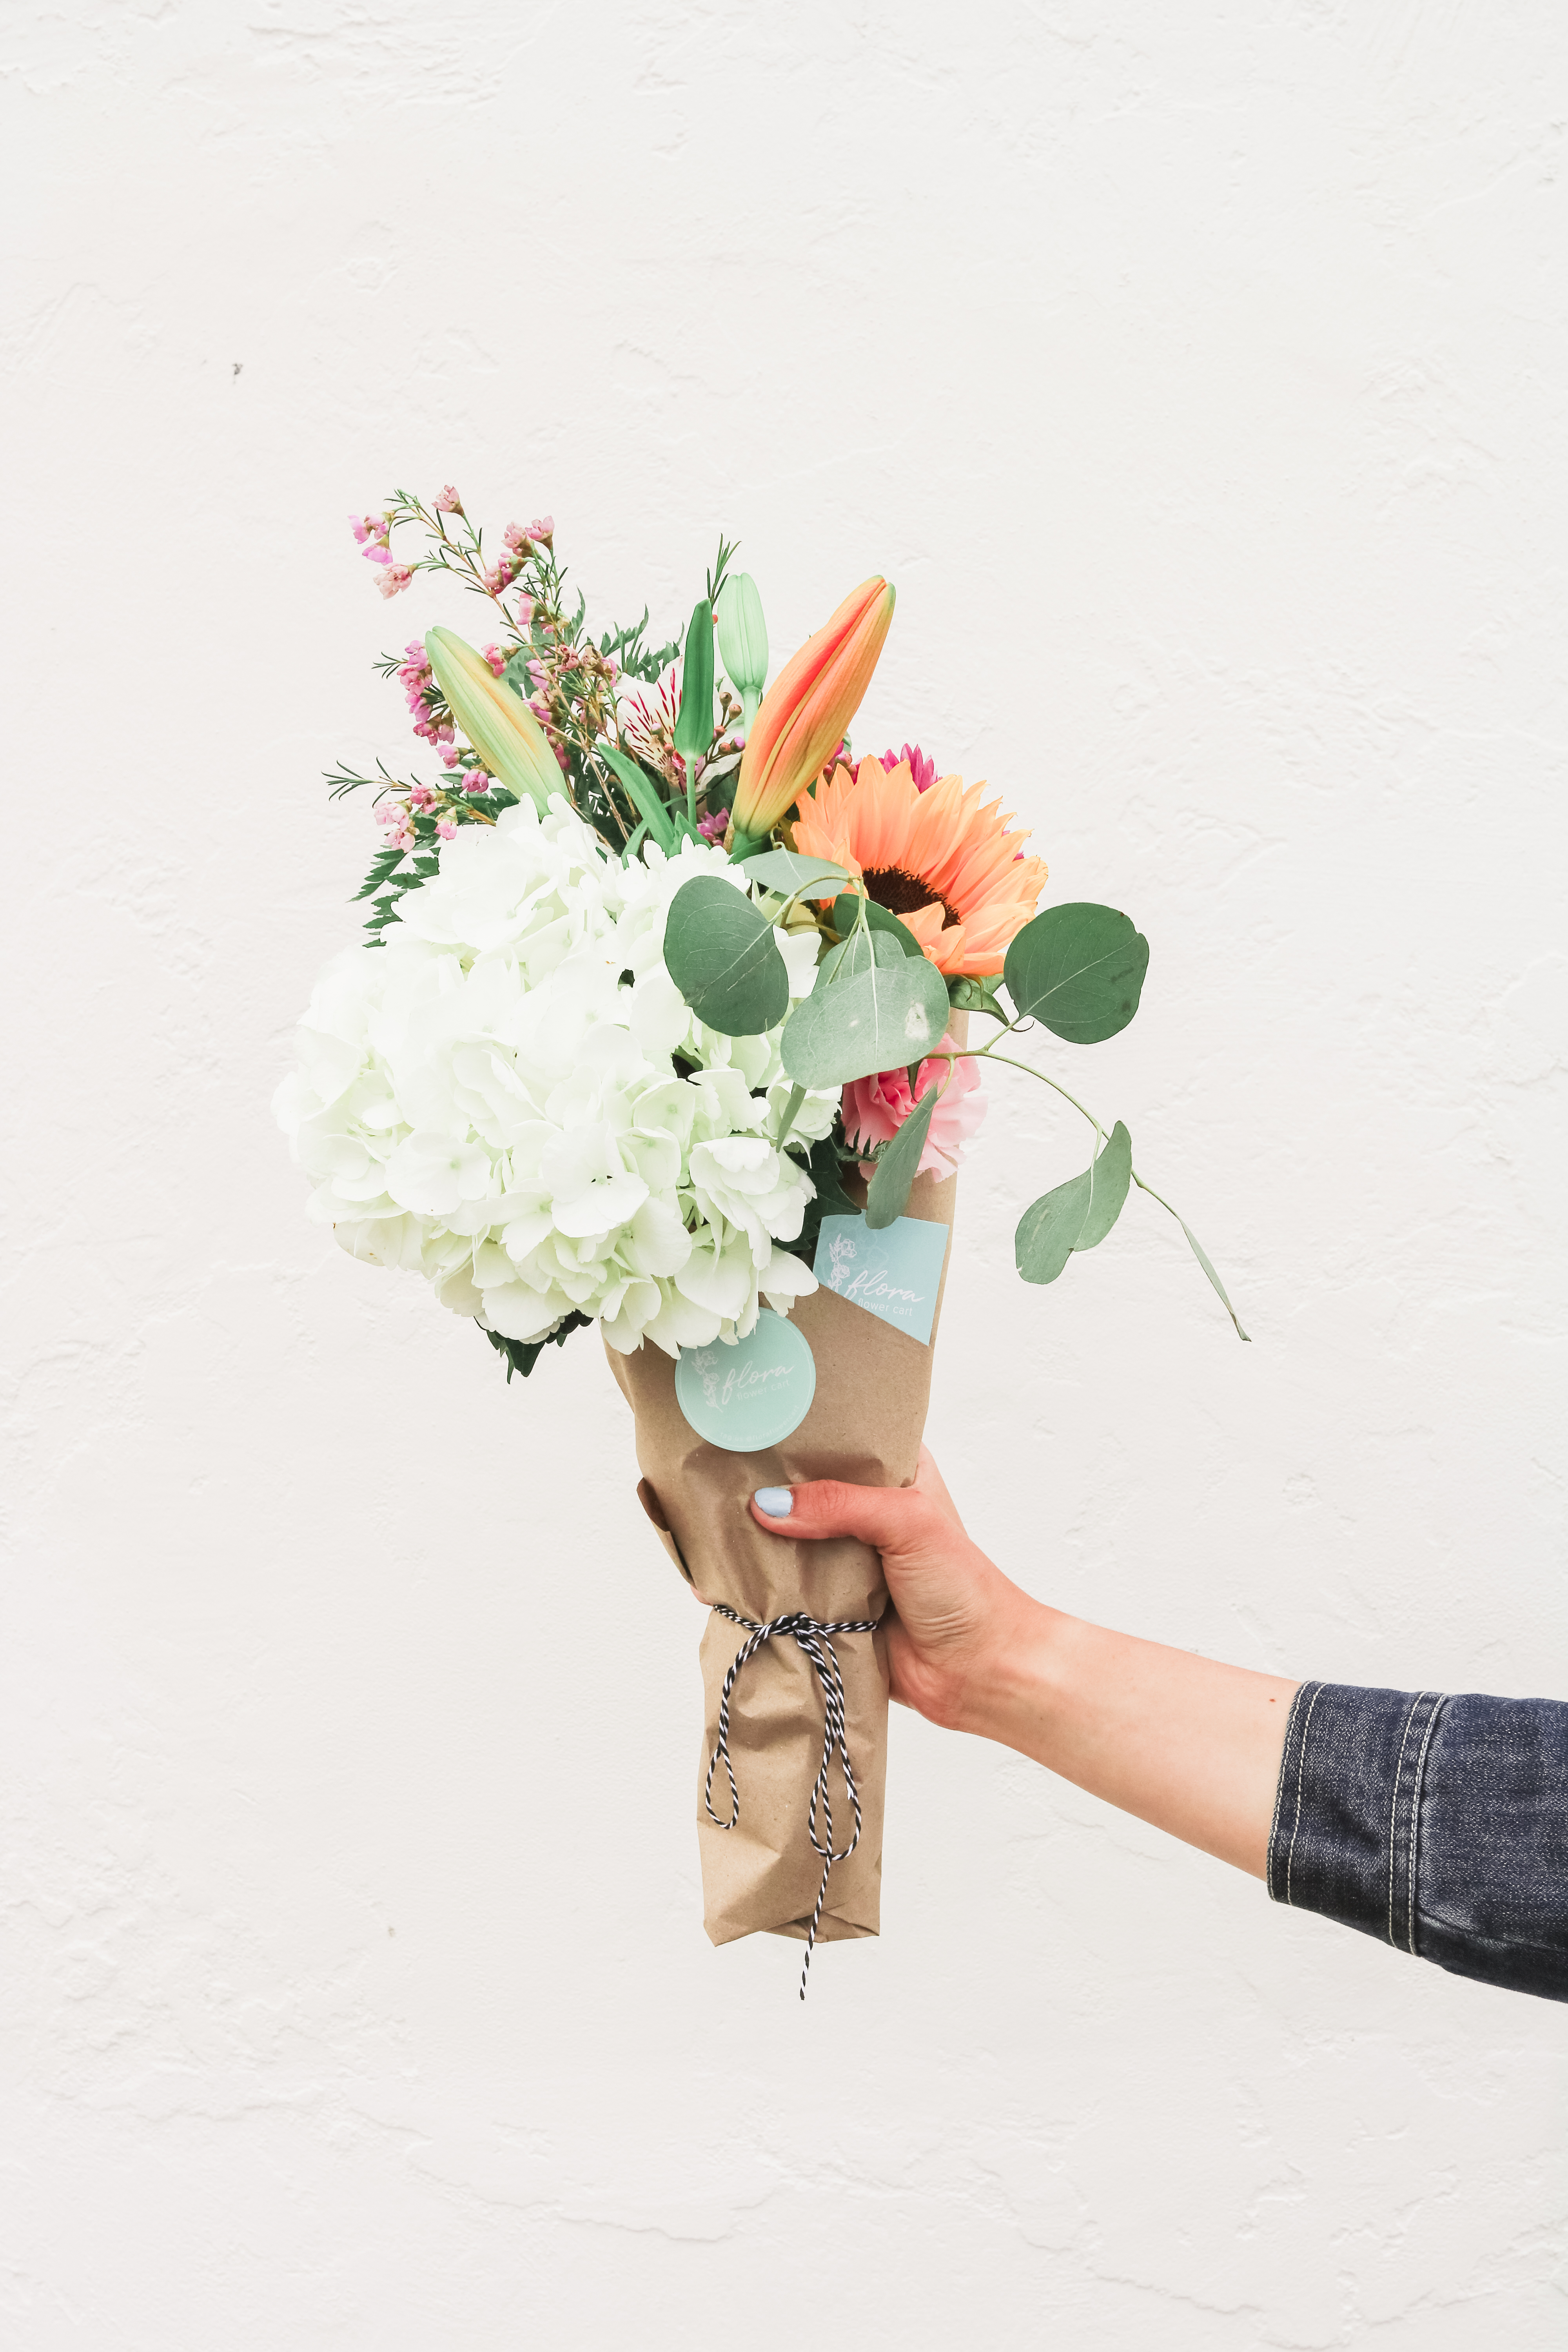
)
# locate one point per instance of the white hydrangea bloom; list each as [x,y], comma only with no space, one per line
[511,1095]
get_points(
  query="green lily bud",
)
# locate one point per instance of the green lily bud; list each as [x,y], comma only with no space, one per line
[502,729]
[744,640]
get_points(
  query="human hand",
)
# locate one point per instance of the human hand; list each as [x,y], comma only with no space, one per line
[956,1619]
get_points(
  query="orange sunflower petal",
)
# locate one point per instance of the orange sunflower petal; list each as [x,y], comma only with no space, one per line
[981,888]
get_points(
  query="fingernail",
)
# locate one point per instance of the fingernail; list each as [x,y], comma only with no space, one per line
[776,1501]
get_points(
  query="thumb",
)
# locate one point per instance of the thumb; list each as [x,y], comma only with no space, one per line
[892,1518]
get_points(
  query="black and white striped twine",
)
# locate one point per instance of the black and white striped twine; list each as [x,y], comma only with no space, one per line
[815,1640]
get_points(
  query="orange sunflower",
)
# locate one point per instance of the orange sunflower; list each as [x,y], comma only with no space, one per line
[948,868]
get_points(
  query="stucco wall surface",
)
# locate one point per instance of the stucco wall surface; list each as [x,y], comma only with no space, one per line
[1197,375]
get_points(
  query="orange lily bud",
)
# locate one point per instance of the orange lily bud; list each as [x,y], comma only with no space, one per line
[806,710]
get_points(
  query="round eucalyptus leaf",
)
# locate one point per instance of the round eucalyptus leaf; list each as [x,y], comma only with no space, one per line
[722,956]
[1111,1174]
[881,1020]
[880,918]
[1077,1214]
[861,951]
[786,870]
[1080,968]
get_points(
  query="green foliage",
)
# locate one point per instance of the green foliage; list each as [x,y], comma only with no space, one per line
[1080,968]
[626,647]
[880,918]
[861,951]
[787,872]
[898,1163]
[880,1020]
[967,995]
[1077,1215]
[644,793]
[694,720]
[521,1355]
[826,1164]
[722,956]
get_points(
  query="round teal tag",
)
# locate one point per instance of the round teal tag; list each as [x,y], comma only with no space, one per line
[746,1397]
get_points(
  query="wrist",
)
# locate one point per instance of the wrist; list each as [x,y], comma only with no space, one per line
[1007,1682]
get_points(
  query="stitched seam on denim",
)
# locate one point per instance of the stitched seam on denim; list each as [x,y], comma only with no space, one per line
[1301,1775]
[1415,1812]
[1394,1806]
[1279,1790]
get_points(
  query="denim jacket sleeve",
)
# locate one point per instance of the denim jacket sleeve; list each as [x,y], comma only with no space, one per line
[1438,1824]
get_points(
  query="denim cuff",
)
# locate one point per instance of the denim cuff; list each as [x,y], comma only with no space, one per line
[1438,1824]
[1347,1816]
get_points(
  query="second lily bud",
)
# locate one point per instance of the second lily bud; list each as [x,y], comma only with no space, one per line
[805,711]
[744,642]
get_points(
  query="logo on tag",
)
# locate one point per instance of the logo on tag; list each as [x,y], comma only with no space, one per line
[747,1397]
[895,1274]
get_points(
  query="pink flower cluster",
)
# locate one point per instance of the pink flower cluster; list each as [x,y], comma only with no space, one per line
[921,769]
[397,819]
[373,532]
[417,681]
[875,1109]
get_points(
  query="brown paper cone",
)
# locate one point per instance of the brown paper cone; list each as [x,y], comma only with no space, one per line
[865,1426]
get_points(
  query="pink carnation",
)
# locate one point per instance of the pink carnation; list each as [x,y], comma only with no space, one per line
[875,1109]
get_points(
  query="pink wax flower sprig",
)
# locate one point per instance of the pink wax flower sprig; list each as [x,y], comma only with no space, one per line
[922,770]
[875,1109]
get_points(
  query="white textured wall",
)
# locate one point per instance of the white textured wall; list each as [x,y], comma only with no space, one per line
[1197,372]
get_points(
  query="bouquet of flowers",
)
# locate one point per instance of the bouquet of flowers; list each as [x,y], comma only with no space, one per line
[662,1025]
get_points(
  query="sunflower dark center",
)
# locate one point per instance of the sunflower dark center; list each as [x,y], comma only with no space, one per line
[902,893]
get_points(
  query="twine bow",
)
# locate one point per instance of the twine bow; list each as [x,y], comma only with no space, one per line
[814,1639]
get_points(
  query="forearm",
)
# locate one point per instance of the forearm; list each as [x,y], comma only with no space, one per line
[1189,1744]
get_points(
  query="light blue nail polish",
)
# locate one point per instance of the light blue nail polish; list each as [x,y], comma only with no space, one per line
[776,1501]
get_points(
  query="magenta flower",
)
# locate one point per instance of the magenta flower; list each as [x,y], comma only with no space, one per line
[922,770]
[875,1109]
[714,827]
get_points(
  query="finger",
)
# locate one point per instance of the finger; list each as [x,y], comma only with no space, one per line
[890,1517]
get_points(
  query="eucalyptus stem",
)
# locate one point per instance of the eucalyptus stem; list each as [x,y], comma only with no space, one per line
[987,1053]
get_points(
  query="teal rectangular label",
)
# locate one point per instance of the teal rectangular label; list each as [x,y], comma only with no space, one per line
[895,1274]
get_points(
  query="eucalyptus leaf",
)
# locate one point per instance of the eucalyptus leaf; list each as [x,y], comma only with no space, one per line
[898,1163]
[1080,968]
[881,1020]
[879,918]
[968,995]
[722,956]
[785,870]
[861,951]
[1112,1174]
[1077,1214]
[1204,1260]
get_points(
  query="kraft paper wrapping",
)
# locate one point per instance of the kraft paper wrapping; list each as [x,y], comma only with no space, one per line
[865,1426]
